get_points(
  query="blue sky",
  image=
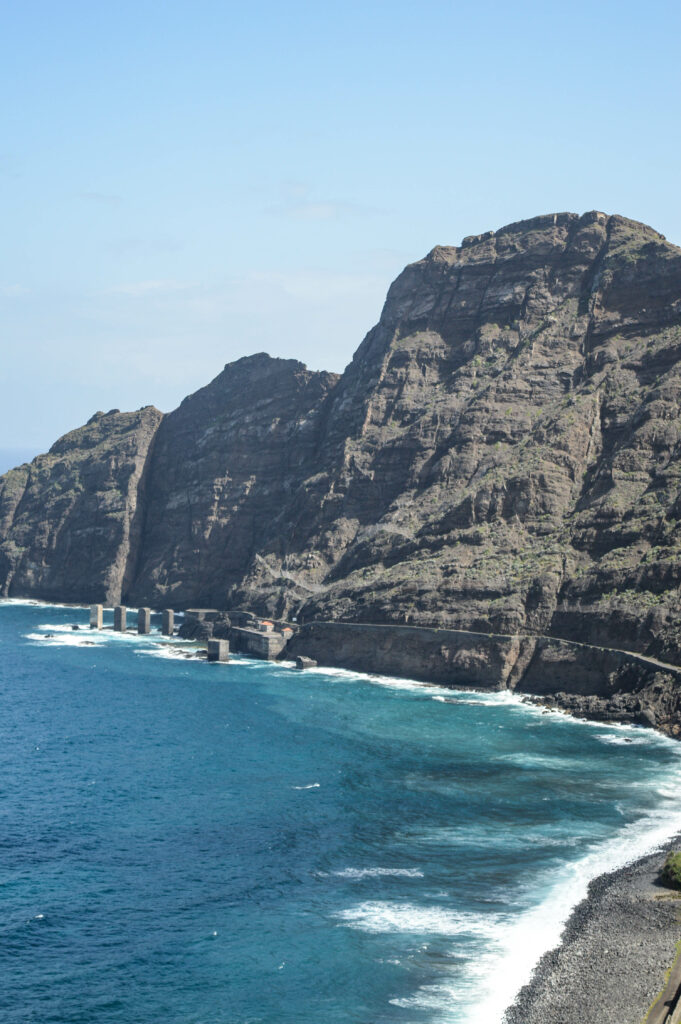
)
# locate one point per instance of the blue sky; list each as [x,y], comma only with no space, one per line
[184,184]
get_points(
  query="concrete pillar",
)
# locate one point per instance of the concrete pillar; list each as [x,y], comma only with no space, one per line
[218,650]
[168,622]
[120,620]
[144,620]
[96,616]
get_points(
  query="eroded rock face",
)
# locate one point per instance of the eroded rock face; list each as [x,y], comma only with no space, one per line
[225,465]
[70,522]
[501,455]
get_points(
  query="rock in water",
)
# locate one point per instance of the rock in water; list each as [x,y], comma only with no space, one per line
[304,663]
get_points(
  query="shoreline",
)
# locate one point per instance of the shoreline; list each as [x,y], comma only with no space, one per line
[598,683]
[581,978]
[589,683]
[612,960]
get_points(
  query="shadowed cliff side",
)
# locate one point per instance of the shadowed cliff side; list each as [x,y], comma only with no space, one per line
[69,520]
[224,466]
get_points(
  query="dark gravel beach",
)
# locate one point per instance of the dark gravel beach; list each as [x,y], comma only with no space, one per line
[616,948]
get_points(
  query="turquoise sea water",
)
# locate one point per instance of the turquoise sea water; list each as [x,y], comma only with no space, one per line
[246,844]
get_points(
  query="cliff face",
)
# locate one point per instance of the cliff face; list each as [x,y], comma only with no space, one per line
[70,520]
[225,464]
[501,455]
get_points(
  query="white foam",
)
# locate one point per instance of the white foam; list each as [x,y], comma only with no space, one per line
[520,943]
[356,874]
[461,700]
[30,602]
[638,734]
[488,982]
[484,833]
[524,760]
[614,740]
[434,998]
[70,639]
[312,785]
[167,651]
[378,916]
[65,627]
[391,682]
[669,792]
[62,634]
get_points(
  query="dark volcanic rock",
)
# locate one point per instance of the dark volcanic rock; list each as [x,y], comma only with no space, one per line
[225,464]
[617,947]
[193,629]
[501,455]
[70,521]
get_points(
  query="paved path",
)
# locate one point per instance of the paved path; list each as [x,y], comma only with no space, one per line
[667,1008]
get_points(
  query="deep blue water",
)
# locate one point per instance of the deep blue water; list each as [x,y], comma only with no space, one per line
[246,844]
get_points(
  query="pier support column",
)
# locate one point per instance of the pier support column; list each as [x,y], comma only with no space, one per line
[168,622]
[144,620]
[218,650]
[120,618]
[96,616]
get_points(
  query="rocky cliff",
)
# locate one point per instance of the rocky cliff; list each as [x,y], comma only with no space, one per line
[70,522]
[501,455]
[225,465]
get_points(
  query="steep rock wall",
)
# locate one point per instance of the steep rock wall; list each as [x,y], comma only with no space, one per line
[501,456]
[70,522]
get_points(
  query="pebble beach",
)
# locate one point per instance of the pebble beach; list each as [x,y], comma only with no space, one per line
[617,946]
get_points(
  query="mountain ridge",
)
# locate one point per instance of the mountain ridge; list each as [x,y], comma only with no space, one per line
[501,454]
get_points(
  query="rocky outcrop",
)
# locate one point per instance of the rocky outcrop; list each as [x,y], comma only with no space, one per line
[225,465]
[445,656]
[501,456]
[522,432]
[591,682]
[71,521]
[654,701]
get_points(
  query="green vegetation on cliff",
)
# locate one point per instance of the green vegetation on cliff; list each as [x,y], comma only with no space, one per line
[671,871]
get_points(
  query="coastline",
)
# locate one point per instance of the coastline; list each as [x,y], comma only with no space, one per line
[581,973]
[596,683]
[615,950]
[589,683]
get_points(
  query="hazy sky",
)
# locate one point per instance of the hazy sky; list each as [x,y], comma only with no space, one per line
[186,183]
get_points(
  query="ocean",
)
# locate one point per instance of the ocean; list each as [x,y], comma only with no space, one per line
[248,844]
